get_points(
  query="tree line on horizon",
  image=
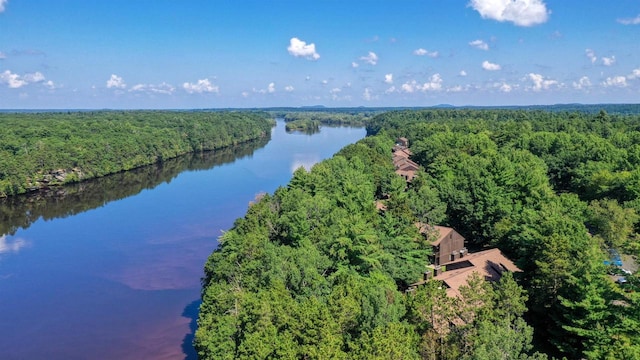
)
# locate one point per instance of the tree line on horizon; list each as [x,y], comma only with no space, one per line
[316,271]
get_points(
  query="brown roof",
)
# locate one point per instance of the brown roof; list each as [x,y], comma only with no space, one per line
[489,263]
[401,152]
[401,163]
[441,231]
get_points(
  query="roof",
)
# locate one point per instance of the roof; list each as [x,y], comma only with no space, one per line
[401,163]
[441,231]
[401,152]
[489,264]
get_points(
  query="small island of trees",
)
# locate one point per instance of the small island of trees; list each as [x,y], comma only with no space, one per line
[304,125]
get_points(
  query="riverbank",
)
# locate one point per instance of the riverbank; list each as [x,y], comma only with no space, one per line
[114,271]
[41,150]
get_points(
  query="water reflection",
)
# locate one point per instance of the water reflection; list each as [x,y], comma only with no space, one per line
[191,312]
[11,246]
[304,132]
[304,160]
[21,211]
[122,281]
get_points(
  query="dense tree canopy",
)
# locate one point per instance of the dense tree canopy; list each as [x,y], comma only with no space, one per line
[43,149]
[315,270]
[554,190]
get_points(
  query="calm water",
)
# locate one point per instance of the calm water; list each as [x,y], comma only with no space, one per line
[111,269]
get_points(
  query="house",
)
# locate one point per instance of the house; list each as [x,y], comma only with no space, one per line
[450,261]
[452,264]
[490,264]
[448,246]
[405,168]
[402,163]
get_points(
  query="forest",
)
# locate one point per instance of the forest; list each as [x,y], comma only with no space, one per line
[334,117]
[20,212]
[303,125]
[40,150]
[317,271]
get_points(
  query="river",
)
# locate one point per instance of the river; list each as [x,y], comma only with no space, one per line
[111,268]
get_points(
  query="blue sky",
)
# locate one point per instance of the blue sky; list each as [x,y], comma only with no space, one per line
[126,54]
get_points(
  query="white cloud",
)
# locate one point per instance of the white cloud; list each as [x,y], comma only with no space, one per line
[16,81]
[299,48]
[519,12]
[630,21]
[479,44]
[390,90]
[608,61]
[367,94]
[540,83]
[2,5]
[245,94]
[503,87]
[409,87]
[34,78]
[202,86]
[458,88]
[288,88]
[354,64]
[2,55]
[371,58]
[591,55]
[434,84]
[463,73]
[116,81]
[616,81]
[388,78]
[271,88]
[162,88]
[423,52]
[582,83]
[325,82]
[620,80]
[50,84]
[490,66]
[335,93]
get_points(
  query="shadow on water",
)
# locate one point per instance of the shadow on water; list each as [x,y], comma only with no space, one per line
[190,312]
[21,211]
